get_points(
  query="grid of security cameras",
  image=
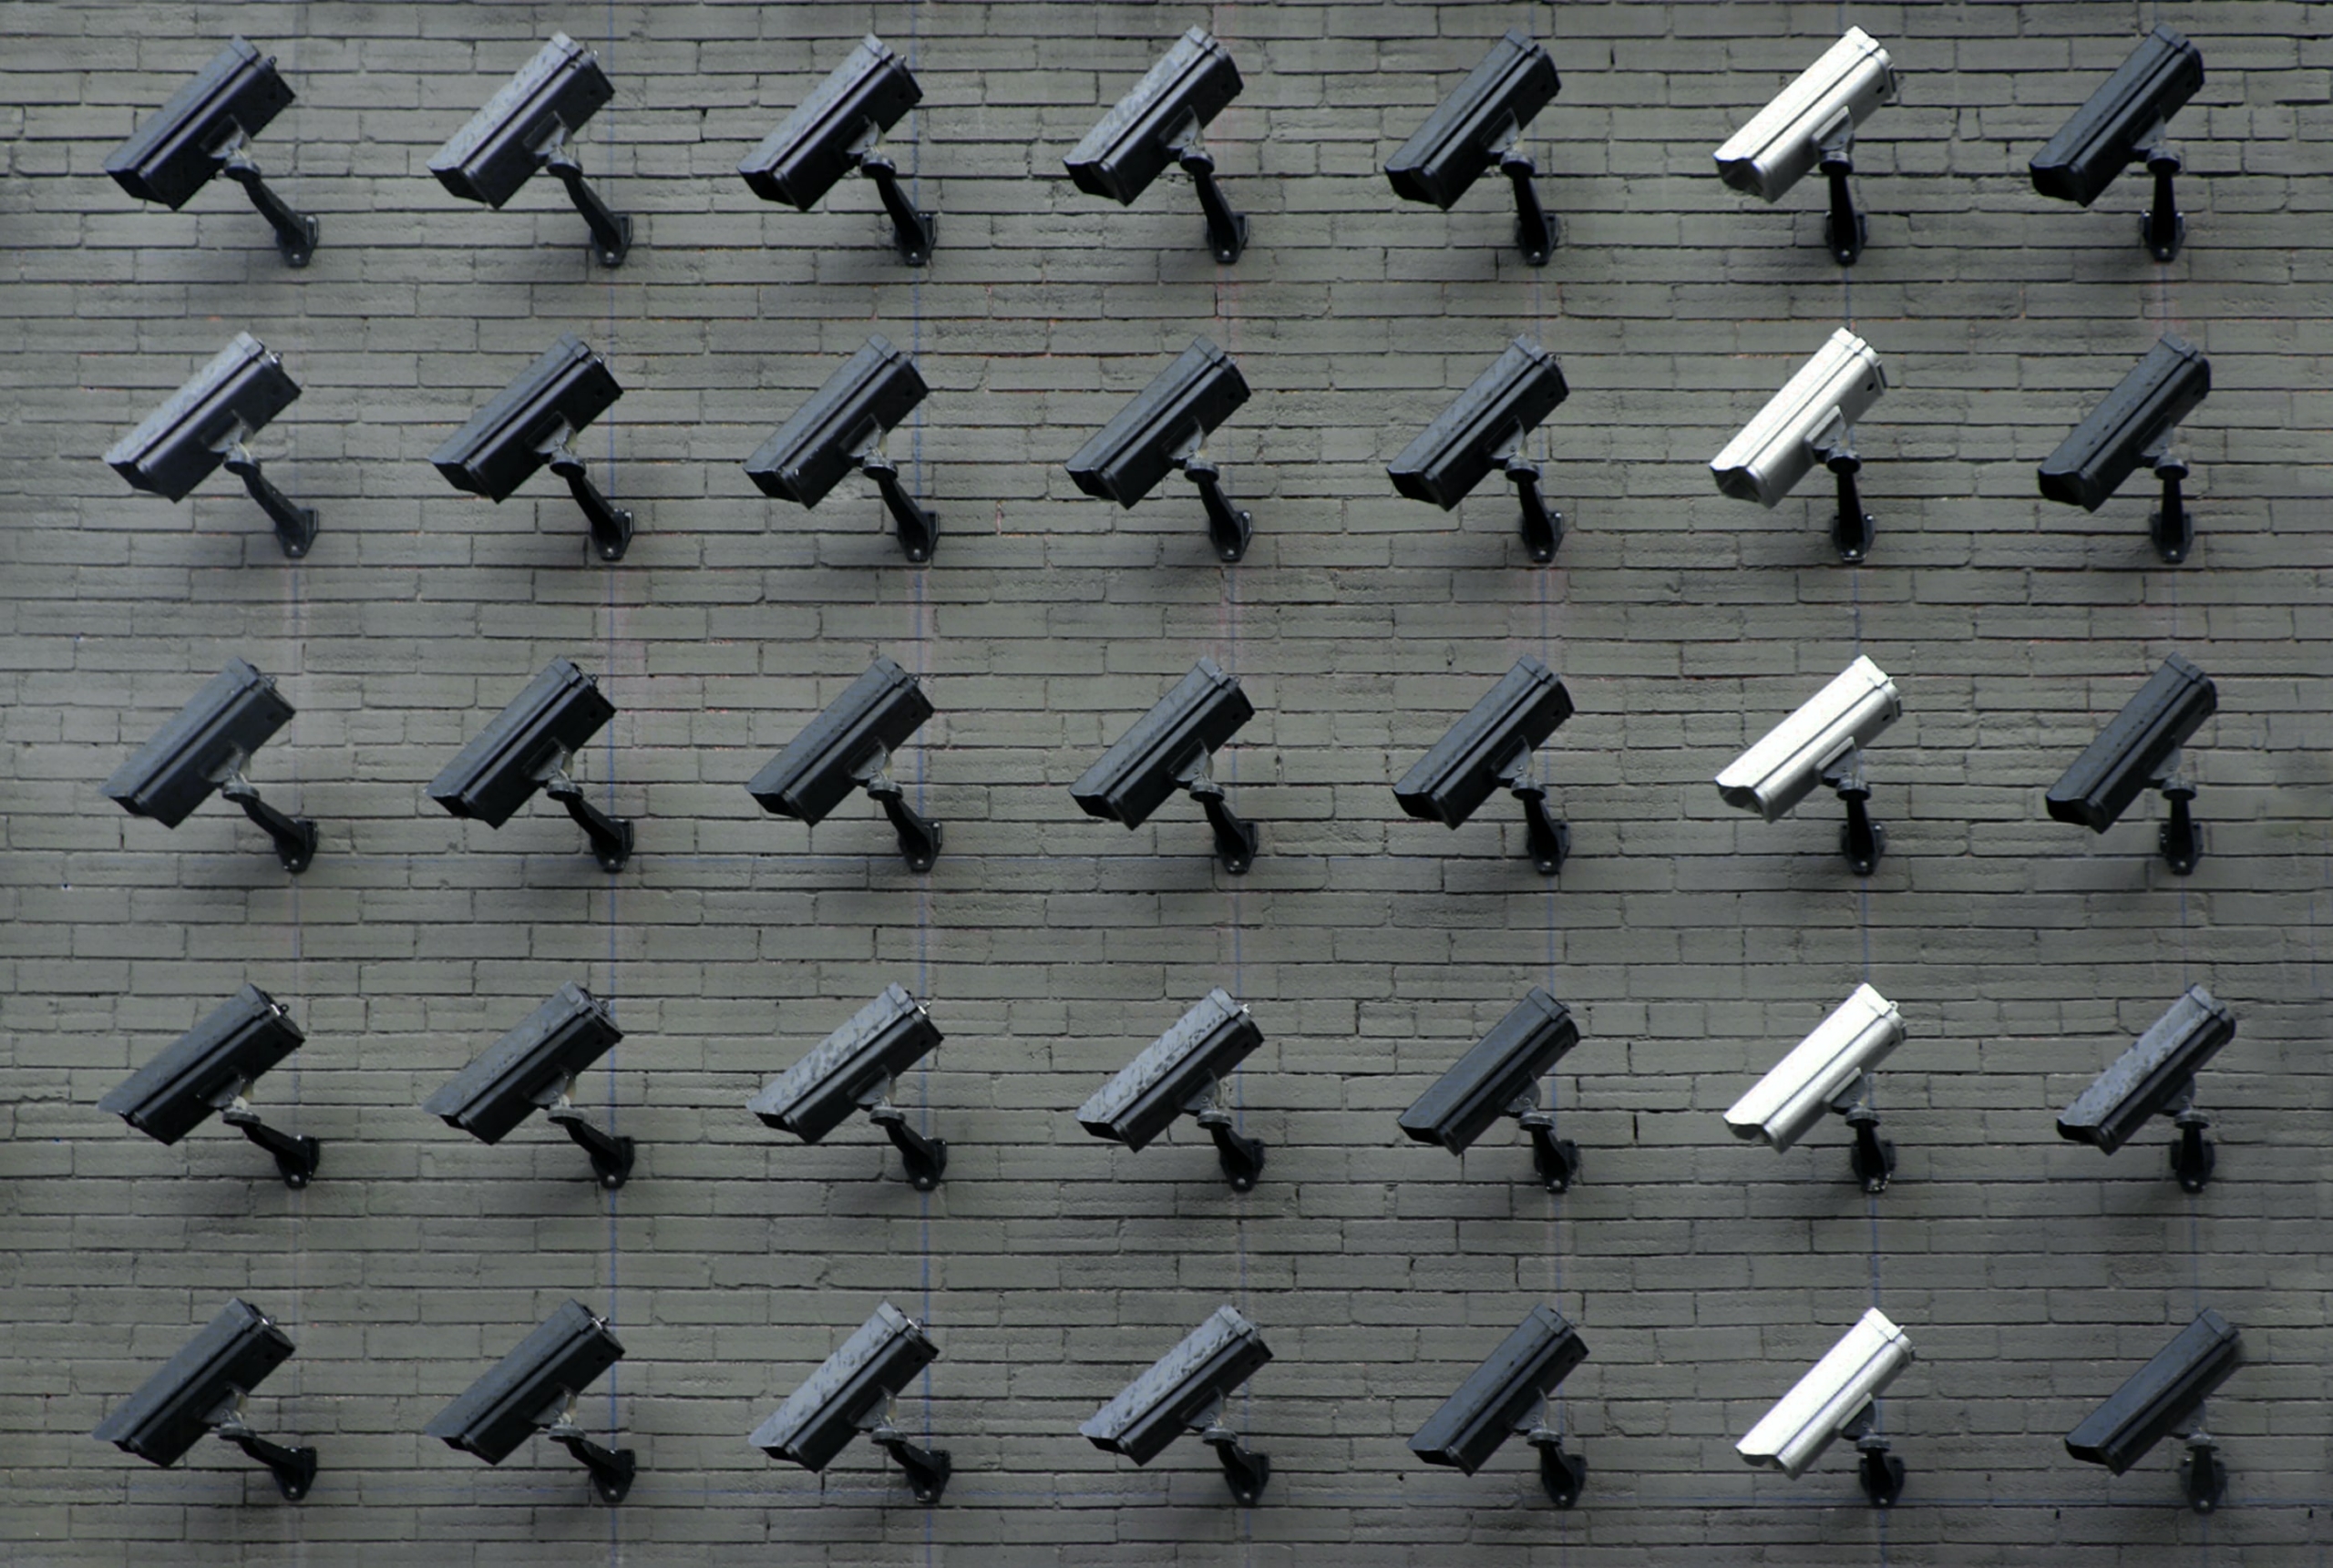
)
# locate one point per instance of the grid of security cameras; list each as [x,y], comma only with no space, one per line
[204,130]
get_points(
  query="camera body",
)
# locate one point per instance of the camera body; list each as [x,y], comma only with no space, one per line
[499,148]
[1173,415]
[503,764]
[820,142]
[505,443]
[1180,1387]
[1462,137]
[875,716]
[2112,126]
[1460,771]
[2160,1397]
[520,1072]
[2136,747]
[819,1092]
[1177,1069]
[1784,767]
[1136,141]
[1502,1394]
[1144,767]
[184,441]
[172,1411]
[1809,416]
[175,154]
[875,389]
[557,1360]
[849,1390]
[1827,1400]
[1500,1069]
[177,1092]
[2090,464]
[2148,1080]
[1790,1101]
[1783,140]
[232,716]
[1490,419]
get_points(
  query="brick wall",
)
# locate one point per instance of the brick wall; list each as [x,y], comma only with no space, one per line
[1693,944]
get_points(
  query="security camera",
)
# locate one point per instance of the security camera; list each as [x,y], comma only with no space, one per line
[1491,748]
[205,424]
[1822,743]
[1166,428]
[851,1392]
[207,1069]
[2134,425]
[1159,123]
[848,747]
[203,749]
[201,1389]
[536,1386]
[525,127]
[1168,749]
[1179,1073]
[1830,1069]
[1811,123]
[532,1069]
[527,747]
[1479,128]
[2123,123]
[2163,1397]
[1811,419]
[1834,1401]
[2140,750]
[842,428]
[834,132]
[531,421]
[1499,1076]
[1508,1395]
[1484,430]
[203,131]
[854,1069]
[2156,1077]
[1187,1389]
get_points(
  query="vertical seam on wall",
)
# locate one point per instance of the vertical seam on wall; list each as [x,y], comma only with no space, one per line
[1555,1241]
[919,632]
[295,626]
[607,140]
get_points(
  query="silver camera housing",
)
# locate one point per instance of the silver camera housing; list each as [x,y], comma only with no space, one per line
[1783,140]
[1791,1099]
[1784,767]
[1808,418]
[1823,1404]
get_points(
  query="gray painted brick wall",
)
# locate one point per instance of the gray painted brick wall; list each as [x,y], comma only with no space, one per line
[1693,944]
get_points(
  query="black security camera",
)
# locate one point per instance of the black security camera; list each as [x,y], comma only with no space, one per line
[525,127]
[853,1069]
[1159,123]
[848,747]
[1166,426]
[2123,122]
[851,1392]
[1479,128]
[1178,1074]
[2132,426]
[207,1069]
[203,131]
[527,747]
[1490,749]
[1499,1076]
[1169,748]
[836,131]
[1484,430]
[530,423]
[2163,1397]
[205,424]
[842,428]
[203,749]
[2139,751]
[536,1387]
[1507,1395]
[532,1069]
[1190,1390]
[2156,1077]
[201,1389]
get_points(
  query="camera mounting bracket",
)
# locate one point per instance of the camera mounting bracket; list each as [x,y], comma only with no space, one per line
[918,525]
[1844,228]
[1244,1471]
[926,1158]
[612,1469]
[612,1155]
[296,1155]
[1227,232]
[295,527]
[1542,528]
[294,1469]
[610,524]
[913,234]
[1861,841]
[927,1469]
[1851,530]
[1236,841]
[2179,839]
[2161,227]
[611,232]
[2202,1477]
[1880,1473]
[1872,1158]
[1561,1474]
[2172,527]
[610,836]
[1556,1159]
[294,836]
[1242,1158]
[295,233]
[2192,1154]
[1551,840]
[920,836]
[1229,528]
[1537,232]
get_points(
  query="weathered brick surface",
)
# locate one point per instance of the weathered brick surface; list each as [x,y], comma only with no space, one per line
[1693,943]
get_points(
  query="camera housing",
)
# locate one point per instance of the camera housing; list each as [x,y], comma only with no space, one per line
[1811,420]
[1491,748]
[201,1389]
[842,428]
[853,1069]
[1479,128]
[536,1388]
[1830,1069]
[2134,424]
[203,749]
[2122,123]
[2140,750]
[1499,1076]
[848,747]
[203,131]
[851,1392]
[1165,426]
[1834,1401]
[1483,430]
[1506,1396]
[1159,123]
[524,127]
[1822,742]
[1179,1072]
[1169,748]
[527,747]
[1810,123]
[532,422]
[2156,1077]
[207,1069]
[836,131]
[205,423]
[1190,1388]
[2163,1396]
[532,1069]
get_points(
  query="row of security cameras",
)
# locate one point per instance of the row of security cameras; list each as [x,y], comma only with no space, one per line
[529,125]
[537,1386]
[535,420]
[848,747]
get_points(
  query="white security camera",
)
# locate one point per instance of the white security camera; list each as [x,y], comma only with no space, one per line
[1834,1401]
[1812,121]
[1830,1069]
[1822,743]
[1810,421]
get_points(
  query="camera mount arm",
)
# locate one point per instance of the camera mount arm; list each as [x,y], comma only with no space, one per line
[1227,232]
[295,231]
[1549,839]
[2161,227]
[1844,228]
[1880,1473]
[1228,529]
[1861,841]
[611,232]
[295,527]
[2202,1477]
[610,524]
[294,836]
[1242,1158]
[926,1158]
[927,1469]
[1537,232]
[2170,529]
[2179,839]
[913,234]
[919,527]
[294,1469]
[1872,1158]
[1561,1475]
[1851,530]
[2192,1154]
[920,836]
[1245,1470]
[612,1469]
[1543,528]
[1236,841]
[296,1155]
[610,836]
[1556,1159]
[611,1157]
